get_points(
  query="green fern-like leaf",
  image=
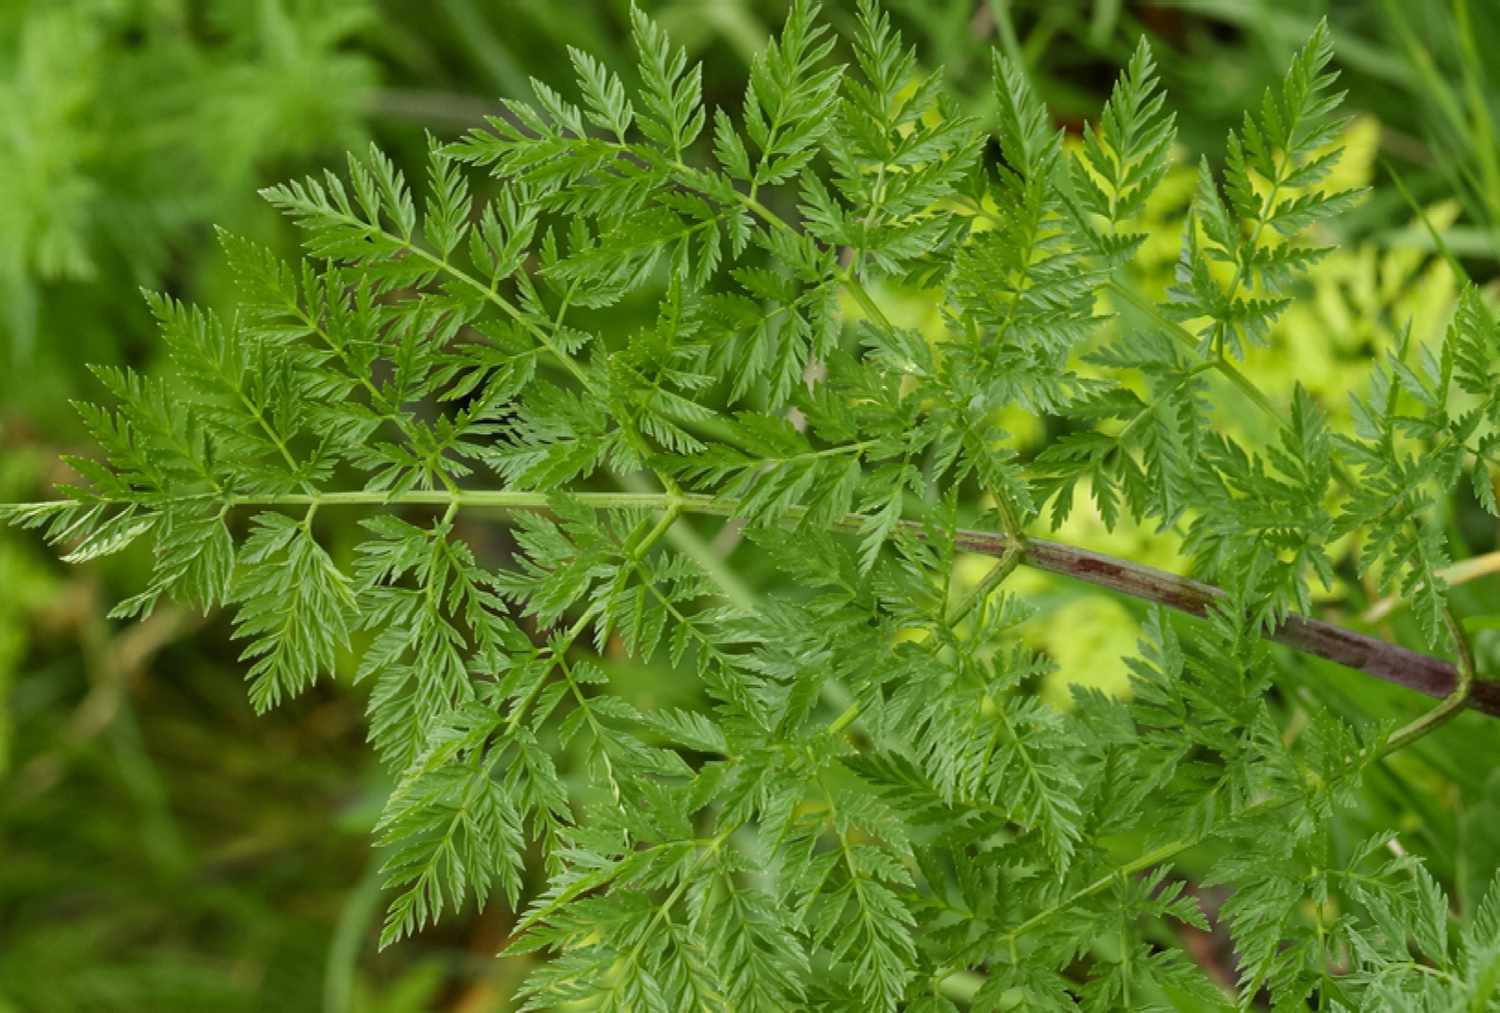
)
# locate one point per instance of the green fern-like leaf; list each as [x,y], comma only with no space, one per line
[692,635]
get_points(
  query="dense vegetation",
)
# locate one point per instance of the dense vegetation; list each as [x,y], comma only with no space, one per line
[667,479]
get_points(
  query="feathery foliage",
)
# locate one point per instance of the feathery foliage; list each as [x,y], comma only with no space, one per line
[871,809]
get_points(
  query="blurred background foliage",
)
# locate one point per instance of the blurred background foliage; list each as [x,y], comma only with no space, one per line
[162,849]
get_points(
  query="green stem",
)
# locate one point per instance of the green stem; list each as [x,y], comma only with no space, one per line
[501,499]
[383,404]
[690,544]
[633,552]
[1419,728]
[844,720]
[286,454]
[519,711]
[1141,863]
[1375,657]
[1155,403]
[506,306]
[509,308]
[1451,705]
[1227,369]
[710,848]
[1232,373]
[1004,567]
[866,302]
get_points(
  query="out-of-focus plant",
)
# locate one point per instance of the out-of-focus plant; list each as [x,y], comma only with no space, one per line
[125,125]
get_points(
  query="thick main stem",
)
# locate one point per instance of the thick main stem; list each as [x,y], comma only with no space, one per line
[1434,677]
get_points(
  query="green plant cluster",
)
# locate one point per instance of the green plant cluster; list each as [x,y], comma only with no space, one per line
[874,810]
[125,127]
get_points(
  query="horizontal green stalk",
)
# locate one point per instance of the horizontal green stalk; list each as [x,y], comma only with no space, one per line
[1431,676]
